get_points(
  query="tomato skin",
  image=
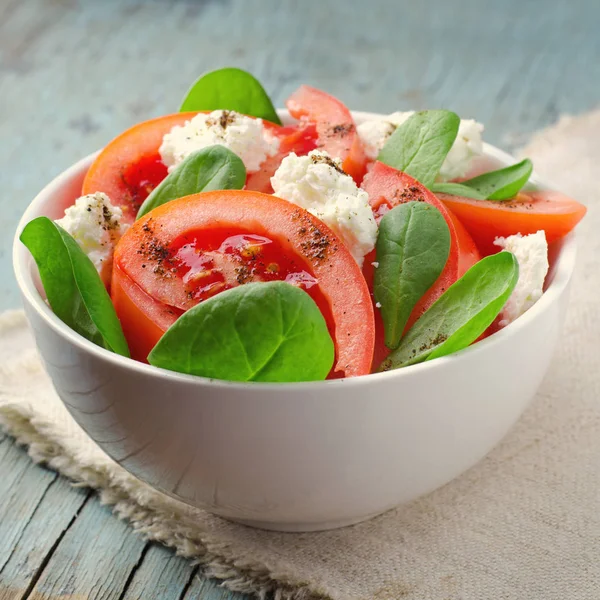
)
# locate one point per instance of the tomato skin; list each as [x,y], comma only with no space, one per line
[335,127]
[387,187]
[129,159]
[144,320]
[311,243]
[486,220]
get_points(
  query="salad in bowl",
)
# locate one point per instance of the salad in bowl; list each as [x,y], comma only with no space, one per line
[220,243]
[299,318]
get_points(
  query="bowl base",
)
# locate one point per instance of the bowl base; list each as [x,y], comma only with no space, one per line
[291,527]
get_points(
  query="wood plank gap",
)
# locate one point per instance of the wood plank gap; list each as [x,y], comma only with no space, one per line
[133,571]
[56,476]
[48,556]
[188,583]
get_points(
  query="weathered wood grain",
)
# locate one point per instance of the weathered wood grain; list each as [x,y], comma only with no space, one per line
[36,507]
[23,488]
[94,560]
[160,575]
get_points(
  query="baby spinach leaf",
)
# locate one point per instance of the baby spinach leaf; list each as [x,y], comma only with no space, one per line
[457,189]
[502,184]
[420,145]
[461,314]
[412,249]
[73,287]
[230,89]
[212,168]
[255,332]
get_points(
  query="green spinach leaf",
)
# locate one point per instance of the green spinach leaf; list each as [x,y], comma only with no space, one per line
[73,287]
[212,168]
[457,189]
[461,314]
[412,250]
[230,89]
[420,145]
[254,332]
[502,184]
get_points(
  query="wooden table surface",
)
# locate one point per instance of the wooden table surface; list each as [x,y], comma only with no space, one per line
[75,73]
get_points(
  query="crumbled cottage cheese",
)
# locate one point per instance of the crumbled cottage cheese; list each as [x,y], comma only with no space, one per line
[317,183]
[375,132]
[531,252]
[96,226]
[243,135]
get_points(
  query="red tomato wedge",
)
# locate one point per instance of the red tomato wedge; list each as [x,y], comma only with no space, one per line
[300,139]
[130,167]
[335,127]
[388,187]
[190,249]
[529,212]
[144,320]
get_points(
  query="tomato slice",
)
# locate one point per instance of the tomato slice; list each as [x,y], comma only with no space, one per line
[130,166]
[335,127]
[190,249]
[529,212]
[300,139]
[143,319]
[387,187]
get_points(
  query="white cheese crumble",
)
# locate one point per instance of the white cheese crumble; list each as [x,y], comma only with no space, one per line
[243,135]
[96,226]
[317,183]
[375,132]
[531,252]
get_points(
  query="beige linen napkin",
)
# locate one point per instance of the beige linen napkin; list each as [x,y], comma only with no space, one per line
[523,524]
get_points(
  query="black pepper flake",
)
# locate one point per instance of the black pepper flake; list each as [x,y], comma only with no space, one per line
[327,160]
[341,130]
[153,250]
[412,193]
[227,118]
[243,274]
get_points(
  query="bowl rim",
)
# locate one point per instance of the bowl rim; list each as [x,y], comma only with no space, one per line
[21,263]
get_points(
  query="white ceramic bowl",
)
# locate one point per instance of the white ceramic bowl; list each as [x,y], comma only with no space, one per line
[295,457]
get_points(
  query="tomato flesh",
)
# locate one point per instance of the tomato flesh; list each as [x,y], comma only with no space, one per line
[529,212]
[130,166]
[141,177]
[193,248]
[214,260]
[335,127]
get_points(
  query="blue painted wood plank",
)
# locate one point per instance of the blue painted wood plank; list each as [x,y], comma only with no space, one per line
[161,575]
[35,508]
[94,559]
[52,517]
[23,488]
